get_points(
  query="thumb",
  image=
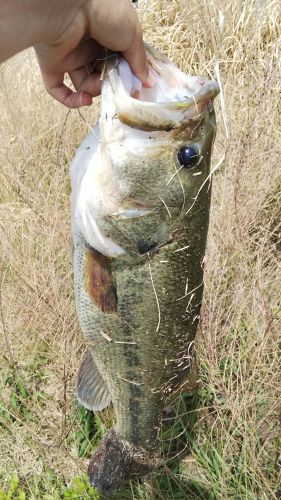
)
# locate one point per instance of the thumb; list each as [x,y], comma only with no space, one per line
[136,57]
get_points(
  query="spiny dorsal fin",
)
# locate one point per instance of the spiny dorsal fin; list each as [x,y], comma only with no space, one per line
[92,391]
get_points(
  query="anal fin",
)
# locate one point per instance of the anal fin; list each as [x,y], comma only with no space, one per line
[92,391]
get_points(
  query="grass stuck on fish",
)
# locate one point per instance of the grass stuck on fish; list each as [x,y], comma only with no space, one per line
[223,441]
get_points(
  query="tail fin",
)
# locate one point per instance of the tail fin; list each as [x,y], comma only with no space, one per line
[116,460]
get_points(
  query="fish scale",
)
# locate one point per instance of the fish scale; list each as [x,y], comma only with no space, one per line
[137,372]
[139,287]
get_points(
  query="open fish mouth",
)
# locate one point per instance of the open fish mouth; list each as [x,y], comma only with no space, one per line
[132,171]
[175,99]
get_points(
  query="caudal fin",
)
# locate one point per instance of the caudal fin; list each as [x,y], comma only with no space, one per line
[116,460]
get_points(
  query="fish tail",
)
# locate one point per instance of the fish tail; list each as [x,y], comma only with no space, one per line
[116,460]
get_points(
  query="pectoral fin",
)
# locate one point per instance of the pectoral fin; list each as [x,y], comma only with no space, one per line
[92,391]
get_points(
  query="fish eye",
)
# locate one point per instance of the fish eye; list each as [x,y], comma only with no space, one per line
[188,156]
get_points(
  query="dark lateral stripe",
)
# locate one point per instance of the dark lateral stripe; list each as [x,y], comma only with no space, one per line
[99,281]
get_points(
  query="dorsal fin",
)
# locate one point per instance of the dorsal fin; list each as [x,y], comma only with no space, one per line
[92,391]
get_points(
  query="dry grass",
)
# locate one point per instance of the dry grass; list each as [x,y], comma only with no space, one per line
[235,440]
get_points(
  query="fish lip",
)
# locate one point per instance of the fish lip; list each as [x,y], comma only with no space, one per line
[166,115]
[209,90]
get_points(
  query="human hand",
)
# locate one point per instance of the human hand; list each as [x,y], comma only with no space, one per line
[78,43]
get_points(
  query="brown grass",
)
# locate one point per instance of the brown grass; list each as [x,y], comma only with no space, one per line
[238,43]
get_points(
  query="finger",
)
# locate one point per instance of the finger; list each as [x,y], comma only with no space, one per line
[119,29]
[136,57]
[87,52]
[57,89]
[52,59]
[86,82]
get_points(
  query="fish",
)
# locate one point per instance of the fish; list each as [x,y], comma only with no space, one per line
[141,190]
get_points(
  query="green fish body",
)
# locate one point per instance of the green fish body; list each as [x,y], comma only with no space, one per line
[141,196]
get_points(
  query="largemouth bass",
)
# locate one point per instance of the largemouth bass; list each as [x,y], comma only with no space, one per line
[141,192]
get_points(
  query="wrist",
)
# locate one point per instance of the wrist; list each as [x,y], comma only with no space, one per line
[25,23]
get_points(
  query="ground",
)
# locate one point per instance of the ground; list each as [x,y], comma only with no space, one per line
[223,441]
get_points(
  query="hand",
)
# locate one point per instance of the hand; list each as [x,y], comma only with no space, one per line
[77,45]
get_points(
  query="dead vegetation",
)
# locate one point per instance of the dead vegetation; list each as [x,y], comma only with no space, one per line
[234,426]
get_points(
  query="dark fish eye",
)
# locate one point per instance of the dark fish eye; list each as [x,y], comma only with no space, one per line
[188,156]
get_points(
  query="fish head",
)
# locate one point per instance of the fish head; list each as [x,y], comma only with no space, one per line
[153,162]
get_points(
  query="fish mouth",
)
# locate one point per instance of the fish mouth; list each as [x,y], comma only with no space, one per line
[175,100]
